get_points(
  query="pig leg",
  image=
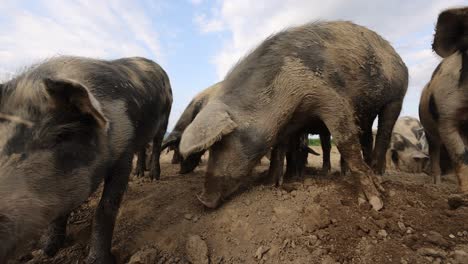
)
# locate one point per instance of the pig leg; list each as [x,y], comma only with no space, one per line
[387,119]
[141,163]
[434,156]
[115,185]
[155,172]
[345,134]
[55,236]
[343,166]
[367,142]
[293,158]
[326,150]
[276,164]
[457,151]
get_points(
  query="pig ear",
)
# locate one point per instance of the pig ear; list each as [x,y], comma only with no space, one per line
[208,127]
[70,95]
[451,32]
[171,140]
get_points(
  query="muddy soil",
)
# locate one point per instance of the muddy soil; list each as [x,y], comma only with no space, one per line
[312,220]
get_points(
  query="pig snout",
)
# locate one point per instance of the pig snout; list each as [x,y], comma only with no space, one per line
[21,216]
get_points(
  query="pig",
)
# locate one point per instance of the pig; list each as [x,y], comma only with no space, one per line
[412,129]
[337,72]
[444,100]
[403,155]
[68,124]
[296,151]
[188,164]
[407,147]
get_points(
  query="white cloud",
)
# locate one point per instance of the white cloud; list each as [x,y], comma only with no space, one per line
[406,24]
[208,25]
[103,29]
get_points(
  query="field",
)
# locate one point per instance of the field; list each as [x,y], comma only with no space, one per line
[311,220]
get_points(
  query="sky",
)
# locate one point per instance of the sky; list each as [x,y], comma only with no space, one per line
[198,41]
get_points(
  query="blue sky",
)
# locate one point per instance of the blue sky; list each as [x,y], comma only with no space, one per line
[197,41]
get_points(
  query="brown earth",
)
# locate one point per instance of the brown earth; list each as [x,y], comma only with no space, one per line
[311,220]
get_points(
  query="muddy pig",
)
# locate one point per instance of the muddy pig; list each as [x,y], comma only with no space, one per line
[172,141]
[67,125]
[338,73]
[443,108]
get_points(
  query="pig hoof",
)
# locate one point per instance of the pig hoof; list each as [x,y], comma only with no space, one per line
[155,174]
[101,259]
[53,246]
[456,200]
[209,203]
[139,173]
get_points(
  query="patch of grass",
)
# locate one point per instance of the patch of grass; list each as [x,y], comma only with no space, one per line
[316,142]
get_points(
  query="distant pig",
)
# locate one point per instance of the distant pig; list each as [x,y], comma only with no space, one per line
[443,108]
[403,155]
[406,152]
[413,130]
[172,141]
[67,125]
[338,73]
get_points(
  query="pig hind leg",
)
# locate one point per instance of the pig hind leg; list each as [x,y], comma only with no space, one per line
[155,171]
[387,118]
[115,185]
[141,163]
[367,142]
[434,156]
[326,150]
[55,235]
[453,141]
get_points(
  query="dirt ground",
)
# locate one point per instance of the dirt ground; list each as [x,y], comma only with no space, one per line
[311,220]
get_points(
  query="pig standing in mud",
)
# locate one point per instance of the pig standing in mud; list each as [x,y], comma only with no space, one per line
[296,151]
[67,125]
[338,73]
[443,108]
[407,147]
[172,141]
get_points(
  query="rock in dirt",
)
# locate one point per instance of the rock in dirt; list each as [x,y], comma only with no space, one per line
[188,216]
[437,239]
[197,250]
[431,252]
[144,256]
[261,251]
[382,233]
[459,257]
[328,260]
[315,218]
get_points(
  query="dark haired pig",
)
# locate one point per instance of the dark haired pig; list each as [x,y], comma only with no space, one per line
[296,151]
[338,73]
[172,141]
[67,125]
[443,109]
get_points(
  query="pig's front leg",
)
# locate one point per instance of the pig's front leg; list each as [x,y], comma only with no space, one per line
[115,185]
[55,236]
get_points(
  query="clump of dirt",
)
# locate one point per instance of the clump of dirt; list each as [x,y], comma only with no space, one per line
[312,220]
